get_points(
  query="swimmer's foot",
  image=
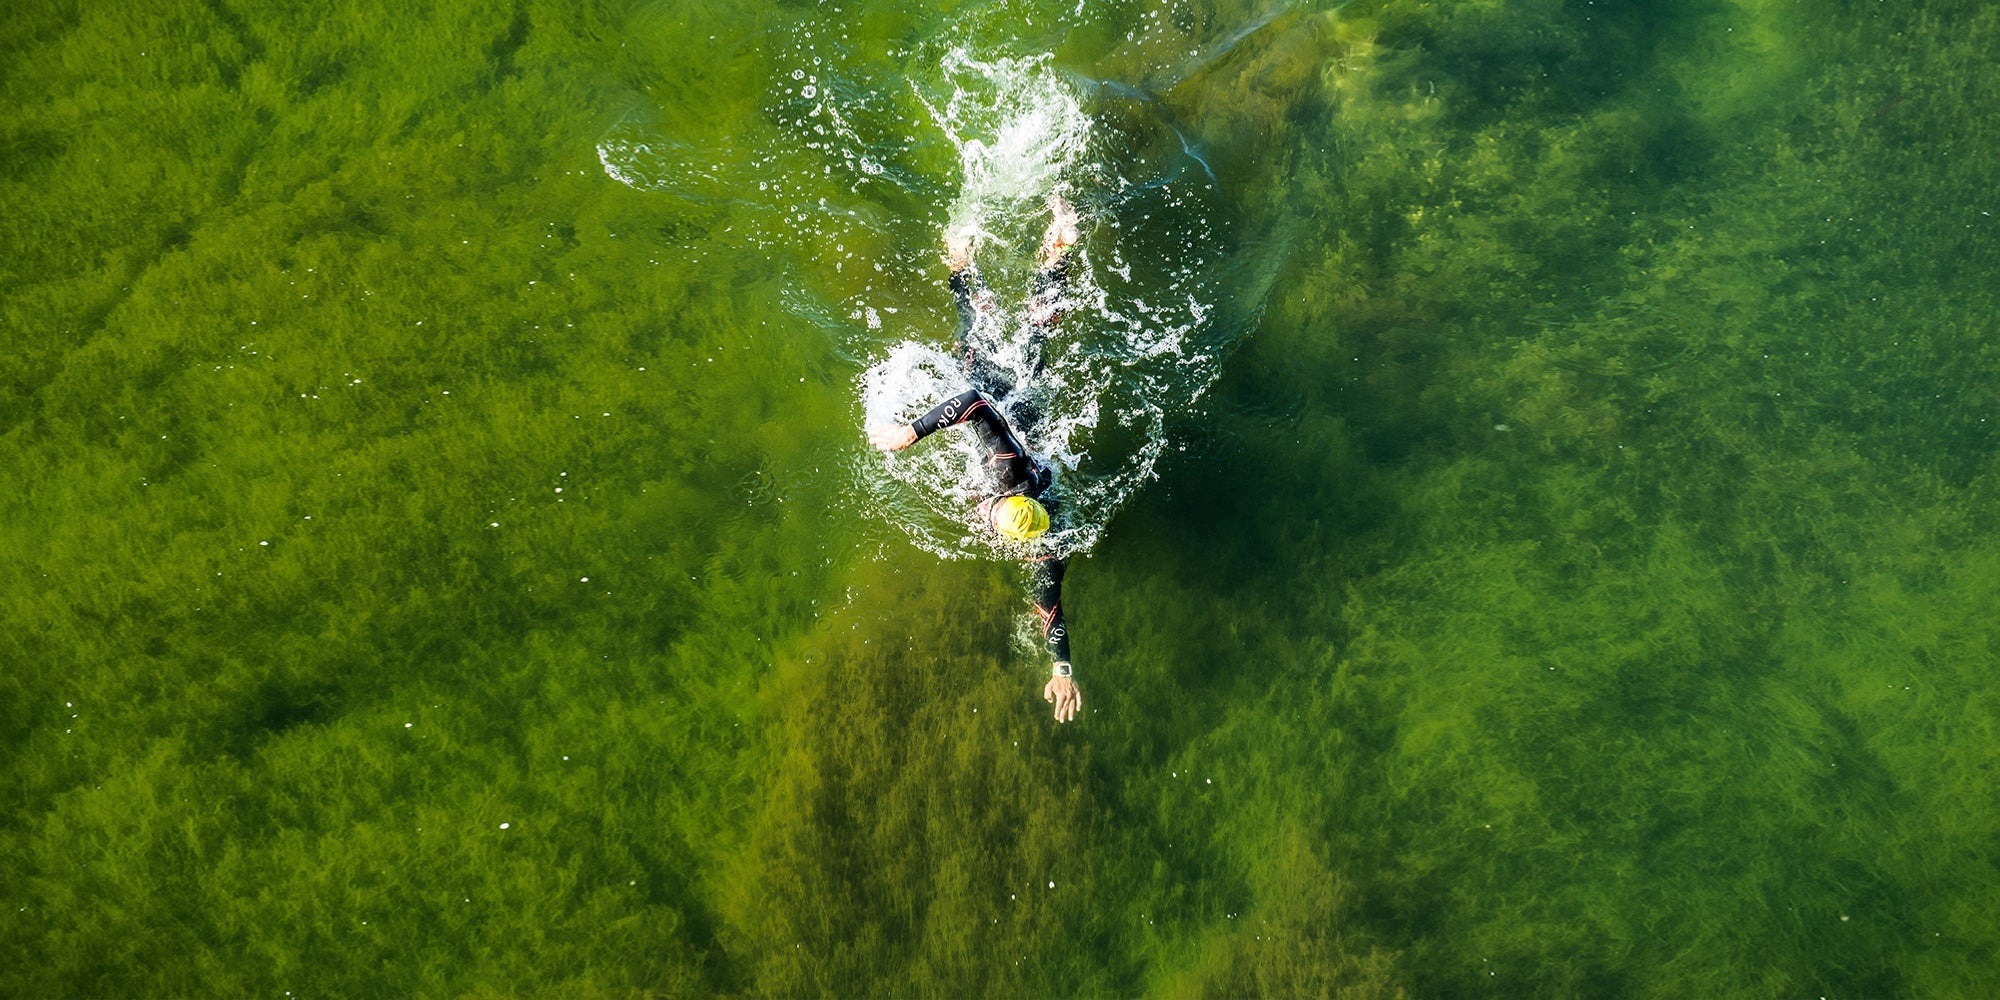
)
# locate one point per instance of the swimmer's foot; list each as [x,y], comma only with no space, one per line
[958,250]
[1062,232]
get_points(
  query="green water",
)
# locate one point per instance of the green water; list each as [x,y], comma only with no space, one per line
[429,566]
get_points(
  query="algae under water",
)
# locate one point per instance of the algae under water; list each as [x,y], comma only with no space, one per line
[1544,547]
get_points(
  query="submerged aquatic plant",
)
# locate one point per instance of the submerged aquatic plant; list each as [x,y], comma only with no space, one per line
[435,566]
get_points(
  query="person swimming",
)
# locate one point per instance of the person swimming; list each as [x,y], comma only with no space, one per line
[1016,504]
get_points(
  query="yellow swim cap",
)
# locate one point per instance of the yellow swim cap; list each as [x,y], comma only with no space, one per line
[1020,518]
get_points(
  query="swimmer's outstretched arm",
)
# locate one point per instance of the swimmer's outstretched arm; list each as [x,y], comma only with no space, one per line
[1052,274]
[1046,577]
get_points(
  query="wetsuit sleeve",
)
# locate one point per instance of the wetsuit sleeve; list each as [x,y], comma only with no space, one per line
[947,413]
[1010,462]
[971,407]
[1046,578]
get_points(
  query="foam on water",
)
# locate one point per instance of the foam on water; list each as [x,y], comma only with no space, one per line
[1020,133]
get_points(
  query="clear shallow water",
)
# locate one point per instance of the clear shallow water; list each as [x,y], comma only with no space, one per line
[442,555]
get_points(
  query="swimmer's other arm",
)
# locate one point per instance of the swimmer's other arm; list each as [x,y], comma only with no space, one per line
[1047,579]
[896,437]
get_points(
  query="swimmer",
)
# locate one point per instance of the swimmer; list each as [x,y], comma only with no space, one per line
[1013,507]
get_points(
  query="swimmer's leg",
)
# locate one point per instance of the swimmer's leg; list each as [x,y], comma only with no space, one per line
[1062,232]
[973,300]
[971,297]
[1045,300]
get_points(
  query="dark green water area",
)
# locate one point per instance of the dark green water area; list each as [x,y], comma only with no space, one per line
[439,554]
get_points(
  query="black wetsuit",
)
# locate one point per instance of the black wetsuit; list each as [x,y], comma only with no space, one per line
[1014,472]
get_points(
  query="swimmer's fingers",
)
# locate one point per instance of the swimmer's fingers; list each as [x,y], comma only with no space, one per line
[1062,692]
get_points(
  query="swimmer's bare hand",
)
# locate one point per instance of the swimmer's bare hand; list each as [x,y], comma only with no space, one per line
[892,437]
[1062,692]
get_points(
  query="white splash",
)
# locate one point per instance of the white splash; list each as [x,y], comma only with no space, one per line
[1019,131]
